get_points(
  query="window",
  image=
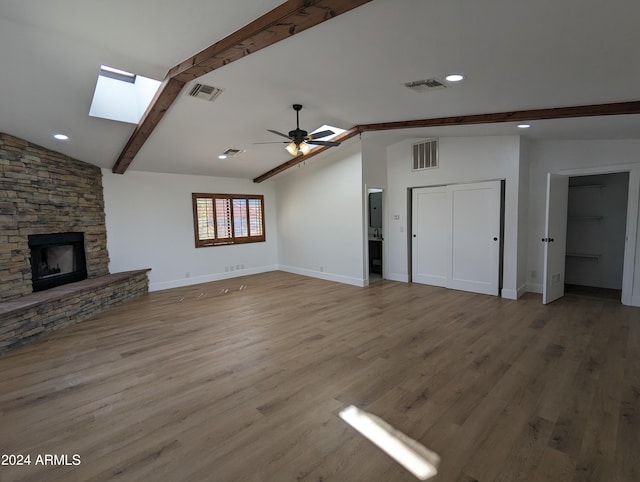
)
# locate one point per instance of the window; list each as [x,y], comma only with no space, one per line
[228,219]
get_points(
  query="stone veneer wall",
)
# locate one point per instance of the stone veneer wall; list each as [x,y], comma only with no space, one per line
[43,192]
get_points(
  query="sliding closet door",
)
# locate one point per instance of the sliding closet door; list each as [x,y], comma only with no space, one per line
[430,226]
[474,247]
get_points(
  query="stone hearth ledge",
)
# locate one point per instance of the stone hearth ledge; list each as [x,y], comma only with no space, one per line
[13,307]
[33,316]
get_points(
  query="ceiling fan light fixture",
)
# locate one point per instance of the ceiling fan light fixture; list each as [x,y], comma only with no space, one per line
[292,149]
[301,141]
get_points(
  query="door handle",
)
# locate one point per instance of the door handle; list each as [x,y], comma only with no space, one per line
[547,240]
[495,239]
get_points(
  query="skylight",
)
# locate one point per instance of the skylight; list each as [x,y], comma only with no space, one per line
[121,95]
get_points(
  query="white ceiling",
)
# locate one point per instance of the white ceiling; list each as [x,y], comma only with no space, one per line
[516,54]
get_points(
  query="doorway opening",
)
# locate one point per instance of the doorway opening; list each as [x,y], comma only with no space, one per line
[375,234]
[596,231]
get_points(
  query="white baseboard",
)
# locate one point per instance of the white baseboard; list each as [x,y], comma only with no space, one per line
[534,288]
[514,294]
[397,277]
[509,294]
[325,276]
[165,285]
[522,290]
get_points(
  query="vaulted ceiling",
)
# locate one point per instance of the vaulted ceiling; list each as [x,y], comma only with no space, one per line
[350,70]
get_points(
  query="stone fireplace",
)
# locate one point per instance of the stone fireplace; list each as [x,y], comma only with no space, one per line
[43,192]
[56,259]
[54,265]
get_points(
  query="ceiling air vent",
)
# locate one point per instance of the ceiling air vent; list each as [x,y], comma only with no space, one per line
[232,152]
[425,85]
[205,92]
[425,155]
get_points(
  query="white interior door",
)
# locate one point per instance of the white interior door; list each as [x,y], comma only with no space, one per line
[474,247]
[430,225]
[555,237]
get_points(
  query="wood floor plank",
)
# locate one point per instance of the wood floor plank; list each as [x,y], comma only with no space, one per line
[243,379]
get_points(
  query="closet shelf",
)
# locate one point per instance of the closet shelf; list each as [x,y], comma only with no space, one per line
[585,218]
[594,257]
[588,186]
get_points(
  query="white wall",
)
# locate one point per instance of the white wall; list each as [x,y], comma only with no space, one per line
[320,217]
[149,220]
[523,215]
[462,160]
[581,158]
[374,162]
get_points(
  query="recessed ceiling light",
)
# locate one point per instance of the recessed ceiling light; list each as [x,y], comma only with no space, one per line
[454,77]
[222,156]
[524,126]
[61,137]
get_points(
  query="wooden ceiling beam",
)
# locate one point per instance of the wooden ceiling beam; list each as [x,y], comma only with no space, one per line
[594,110]
[290,18]
[166,94]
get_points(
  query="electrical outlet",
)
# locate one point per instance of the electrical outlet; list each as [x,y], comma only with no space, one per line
[187,274]
[534,274]
[322,269]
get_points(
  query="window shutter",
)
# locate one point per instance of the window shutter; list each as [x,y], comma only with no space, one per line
[255,217]
[223,217]
[240,225]
[206,229]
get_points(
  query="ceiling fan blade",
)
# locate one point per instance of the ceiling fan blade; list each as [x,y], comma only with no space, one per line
[274,142]
[278,133]
[323,143]
[318,135]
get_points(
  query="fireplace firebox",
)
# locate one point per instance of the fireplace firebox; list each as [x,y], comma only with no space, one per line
[57,259]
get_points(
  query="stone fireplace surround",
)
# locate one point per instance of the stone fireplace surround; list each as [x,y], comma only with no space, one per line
[44,192]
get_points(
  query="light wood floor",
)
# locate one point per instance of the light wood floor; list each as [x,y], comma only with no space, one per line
[195,384]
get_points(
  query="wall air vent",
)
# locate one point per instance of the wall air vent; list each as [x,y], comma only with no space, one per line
[424,155]
[425,85]
[205,92]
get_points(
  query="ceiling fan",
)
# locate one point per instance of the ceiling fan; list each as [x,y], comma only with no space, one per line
[300,141]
